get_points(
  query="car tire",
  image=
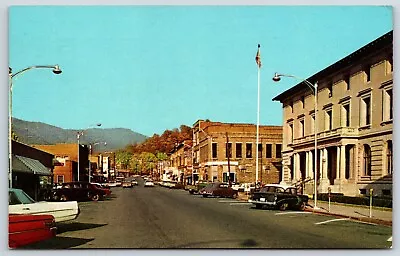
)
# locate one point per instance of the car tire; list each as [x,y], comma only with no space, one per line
[63,198]
[95,197]
[302,206]
[205,195]
[284,206]
[234,196]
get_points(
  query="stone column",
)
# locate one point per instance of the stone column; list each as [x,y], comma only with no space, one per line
[307,164]
[343,163]
[338,164]
[295,164]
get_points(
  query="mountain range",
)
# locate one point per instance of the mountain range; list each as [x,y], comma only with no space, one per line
[41,133]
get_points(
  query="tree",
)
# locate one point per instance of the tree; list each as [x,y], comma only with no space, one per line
[123,158]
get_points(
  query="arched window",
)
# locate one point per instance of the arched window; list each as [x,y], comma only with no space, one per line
[367,160]
[389,155]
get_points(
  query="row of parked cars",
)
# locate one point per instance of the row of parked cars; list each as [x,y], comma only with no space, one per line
[276,196]
[31,221]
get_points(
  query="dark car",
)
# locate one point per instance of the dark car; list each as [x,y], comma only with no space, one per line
[194,189]
[80,191]
[218,189]
[280,197]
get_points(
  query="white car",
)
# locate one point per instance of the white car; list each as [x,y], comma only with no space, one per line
[149,183]
[20,203]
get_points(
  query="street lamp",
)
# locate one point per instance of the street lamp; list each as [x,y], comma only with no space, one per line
[11,75]
[90,154]
[78,136]
[314,89]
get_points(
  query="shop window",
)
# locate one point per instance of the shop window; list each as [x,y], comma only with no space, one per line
[268,150]
[278,151]
[238,150]
[249,150]
[214,150]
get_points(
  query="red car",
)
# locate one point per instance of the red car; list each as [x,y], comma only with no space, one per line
[24,229]
[218,189]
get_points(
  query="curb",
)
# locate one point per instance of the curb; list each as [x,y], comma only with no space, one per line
[363,219]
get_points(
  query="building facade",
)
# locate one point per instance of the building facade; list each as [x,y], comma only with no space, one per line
[353,124]
[181,162]
[66,164]
[222,150]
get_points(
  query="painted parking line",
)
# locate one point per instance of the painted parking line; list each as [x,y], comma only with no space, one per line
[327,221]
[285,213]
[240,203]
[228,201]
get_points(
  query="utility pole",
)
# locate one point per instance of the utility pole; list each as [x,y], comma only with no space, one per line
[228,152]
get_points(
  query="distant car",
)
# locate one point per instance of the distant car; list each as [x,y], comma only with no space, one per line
[194,189]
[218,189]
[148,183]
[127,184]
[80,191]
[21,203]
[24,229]
[134,183]
[280,197]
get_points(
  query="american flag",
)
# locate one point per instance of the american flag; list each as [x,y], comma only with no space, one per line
[258,57]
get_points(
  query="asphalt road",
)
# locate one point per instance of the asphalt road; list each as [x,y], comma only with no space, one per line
[159,217]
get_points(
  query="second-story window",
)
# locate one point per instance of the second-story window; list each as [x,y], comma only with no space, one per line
[328,119]
[291,133]
[214,150]
[268,151]
[387,105]
[365,118]
[249,150]
[228,150]
[346,115]
[278,150]
[301,128]
[259,150]
[238,150]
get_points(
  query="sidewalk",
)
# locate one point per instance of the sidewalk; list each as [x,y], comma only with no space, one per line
[379,215]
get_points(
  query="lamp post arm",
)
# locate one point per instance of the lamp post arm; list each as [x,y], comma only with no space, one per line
[313,87]
[32,67]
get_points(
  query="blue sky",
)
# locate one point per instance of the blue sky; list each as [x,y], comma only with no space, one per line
[152,68]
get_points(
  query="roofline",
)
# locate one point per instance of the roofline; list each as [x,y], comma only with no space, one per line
[371,47]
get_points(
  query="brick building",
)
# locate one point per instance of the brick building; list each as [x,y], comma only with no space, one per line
[212,141]
[354,117]
[66,164]
[181,161]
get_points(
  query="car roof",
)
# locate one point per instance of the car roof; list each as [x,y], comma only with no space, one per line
[279,186]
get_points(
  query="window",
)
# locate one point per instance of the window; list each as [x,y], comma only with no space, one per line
[214,150]
[389,157]
[328,119]
[367,160]
[347,81]
[238,150]
[367,71]
[330,90]
[249,149]
[259,150]
[278,150]
[346,115]
[387,105]
[60,178]
[389,67]
[291,133]
[302,128]
[312,123]
[228,150]
[365,111]
[268,151]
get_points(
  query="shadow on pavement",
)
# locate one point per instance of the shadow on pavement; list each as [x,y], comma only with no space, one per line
[240,243]
[75,226]
[58,243]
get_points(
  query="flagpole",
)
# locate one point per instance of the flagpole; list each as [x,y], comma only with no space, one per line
[258,61]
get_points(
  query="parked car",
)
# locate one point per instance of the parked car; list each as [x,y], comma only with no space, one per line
[24,229]
[148,183]
[194,189]
[80,191]
[127,184]
[218,189]
[134,183]
[21,203]
[280,197]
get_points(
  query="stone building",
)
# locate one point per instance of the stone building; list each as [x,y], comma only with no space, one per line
[354,124]
[221,150]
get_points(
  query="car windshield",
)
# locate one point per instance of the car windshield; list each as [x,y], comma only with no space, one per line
[19,197]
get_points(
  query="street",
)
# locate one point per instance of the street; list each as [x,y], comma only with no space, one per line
[158,217]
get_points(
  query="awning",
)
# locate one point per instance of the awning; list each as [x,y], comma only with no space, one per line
[29,165]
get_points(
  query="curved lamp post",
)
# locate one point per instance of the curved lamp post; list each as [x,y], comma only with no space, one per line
[78,136]
[314,89]
[56,70]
